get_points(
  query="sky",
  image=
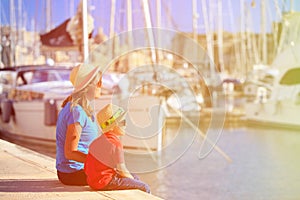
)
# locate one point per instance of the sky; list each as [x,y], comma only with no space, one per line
[175,14]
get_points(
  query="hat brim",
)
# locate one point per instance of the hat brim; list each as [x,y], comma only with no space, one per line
[87,80]
[114,123]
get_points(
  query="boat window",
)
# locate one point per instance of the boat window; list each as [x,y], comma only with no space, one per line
[52,76]
[39,76]
[58,75]
[24,78]
[30,77]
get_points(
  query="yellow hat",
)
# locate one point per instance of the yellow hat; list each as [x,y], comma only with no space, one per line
[82,75]
[109,116]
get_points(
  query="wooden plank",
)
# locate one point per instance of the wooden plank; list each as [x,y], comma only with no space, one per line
[25,174]
[130,195]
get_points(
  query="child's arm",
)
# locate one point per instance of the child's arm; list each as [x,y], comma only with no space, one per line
[123,171]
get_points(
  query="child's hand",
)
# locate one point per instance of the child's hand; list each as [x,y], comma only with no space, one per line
[123,171]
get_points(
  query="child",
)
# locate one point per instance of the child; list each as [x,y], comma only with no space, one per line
[105,166]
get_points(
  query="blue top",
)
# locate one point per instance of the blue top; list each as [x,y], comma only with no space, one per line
[89,133]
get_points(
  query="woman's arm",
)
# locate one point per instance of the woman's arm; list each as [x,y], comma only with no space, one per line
[71,143]
[123,171]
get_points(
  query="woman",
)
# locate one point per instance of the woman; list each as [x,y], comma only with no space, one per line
[76,126]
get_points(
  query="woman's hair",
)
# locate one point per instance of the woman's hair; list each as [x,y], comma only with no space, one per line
[79,98]
[69,98]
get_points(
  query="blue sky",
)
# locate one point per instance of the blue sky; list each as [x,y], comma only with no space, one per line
[176,14]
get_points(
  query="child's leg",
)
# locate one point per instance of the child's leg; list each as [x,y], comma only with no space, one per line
[135,176]
[120,183]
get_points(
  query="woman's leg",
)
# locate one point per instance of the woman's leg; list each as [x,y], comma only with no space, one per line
[121,183]
[75,178]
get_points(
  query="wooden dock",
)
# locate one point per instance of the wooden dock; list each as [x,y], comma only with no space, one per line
[25,174]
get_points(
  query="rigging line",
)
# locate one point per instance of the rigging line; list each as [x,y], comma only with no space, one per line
[122,17]
[284,5]
[253,39]
[277,8]
[169,16]
[243,67]
[273,30]
[209,39]
[151,12]
[36,16]
[220,38]
[158,14]
[276,36]
[72,8]
[249,48]
[269,18]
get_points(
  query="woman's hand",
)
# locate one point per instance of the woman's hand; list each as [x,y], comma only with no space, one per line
[71,143]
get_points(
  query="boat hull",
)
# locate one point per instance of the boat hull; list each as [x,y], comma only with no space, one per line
[29,120]
[145,130]
[284,114]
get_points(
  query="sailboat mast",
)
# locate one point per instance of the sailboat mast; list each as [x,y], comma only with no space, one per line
[20,21]
[71,8]
[1,30]
[129,23]
[112,18]
[195,20]
[48,15]
[276,27]
[20,39]
[220,35]
[208,39]
[146,10]
[243,39]
[263,31]
[159,13]
[251,40]
[85,30]
[235,39]
[158,24]
[129,15]
[12,33]
[112,26]
[292,6]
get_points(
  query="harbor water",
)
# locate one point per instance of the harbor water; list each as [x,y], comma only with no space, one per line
[265,165]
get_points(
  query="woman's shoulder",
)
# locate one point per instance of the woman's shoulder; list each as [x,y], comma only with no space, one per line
[77,112]
[76,108]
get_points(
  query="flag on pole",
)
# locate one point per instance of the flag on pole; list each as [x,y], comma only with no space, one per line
[58,36]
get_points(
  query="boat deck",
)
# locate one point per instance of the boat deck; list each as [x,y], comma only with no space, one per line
[25,174]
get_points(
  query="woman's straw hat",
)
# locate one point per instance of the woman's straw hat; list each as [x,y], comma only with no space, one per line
[82,75]
[109,116]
